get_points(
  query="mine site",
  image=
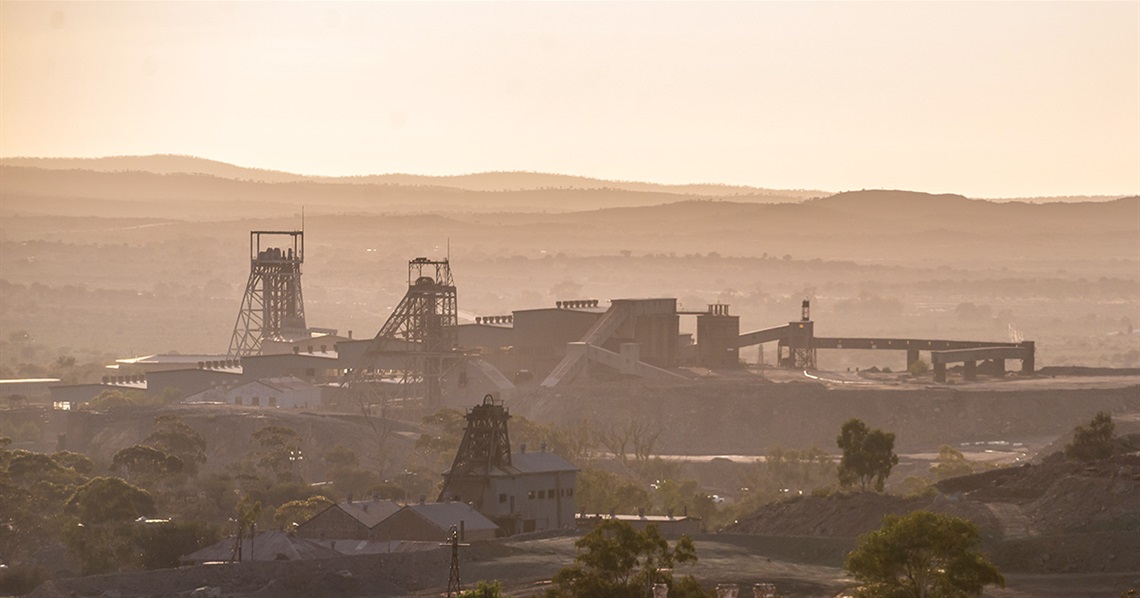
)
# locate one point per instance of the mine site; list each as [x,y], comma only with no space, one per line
[492,300]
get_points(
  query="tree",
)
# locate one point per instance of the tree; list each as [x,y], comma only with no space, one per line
[1094,441]
[279,451]
[247,512]
[103,538]
[172,435]
[951,464]
[296,512]
[868,455]
[103,500]
[161,545]
[599,491]
[616,560]
[345,473]
[77,462]
[641,436]
[117,399]
[143,462]
[484,589]
[922,555]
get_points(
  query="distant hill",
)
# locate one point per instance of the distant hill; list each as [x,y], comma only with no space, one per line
[485,181]
[872,224]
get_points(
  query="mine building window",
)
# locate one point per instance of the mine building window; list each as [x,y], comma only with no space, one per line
[569,492]
[310,372]
[272,401]
[256,402]
[541,494]
[530,495]
[324,348]
[551,493]
[502,498]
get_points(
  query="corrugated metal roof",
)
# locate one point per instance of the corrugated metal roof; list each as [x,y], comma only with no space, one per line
[266,546]
[531,463]
[370,512]
[171,358]
[446,514]
[287,383]
[539,462]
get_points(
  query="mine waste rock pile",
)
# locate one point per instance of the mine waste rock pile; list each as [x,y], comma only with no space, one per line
[1051,517]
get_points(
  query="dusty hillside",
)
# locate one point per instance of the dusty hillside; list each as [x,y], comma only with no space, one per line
[228,433]
[710,417]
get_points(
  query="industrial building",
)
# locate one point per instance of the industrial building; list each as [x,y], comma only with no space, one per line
[348,520]
[424,354]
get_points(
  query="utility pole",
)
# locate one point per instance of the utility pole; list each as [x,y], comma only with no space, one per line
[454,587]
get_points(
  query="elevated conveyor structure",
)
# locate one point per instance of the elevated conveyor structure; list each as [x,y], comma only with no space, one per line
[651,324]
[599,333]
[798,345]
[767,335]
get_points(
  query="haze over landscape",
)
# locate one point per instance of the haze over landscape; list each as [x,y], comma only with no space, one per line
[952,177]
[983,99]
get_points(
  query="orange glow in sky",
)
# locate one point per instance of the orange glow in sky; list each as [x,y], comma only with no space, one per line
[984,99]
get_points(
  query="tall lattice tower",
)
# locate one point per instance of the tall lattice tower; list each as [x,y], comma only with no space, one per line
[272,307]
[486,445]
[419,341]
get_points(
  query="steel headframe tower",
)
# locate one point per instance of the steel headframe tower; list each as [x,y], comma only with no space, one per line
[272,307]
[486,445]
[421,334]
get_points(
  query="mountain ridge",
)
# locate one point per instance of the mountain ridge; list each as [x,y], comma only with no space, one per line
[480,181]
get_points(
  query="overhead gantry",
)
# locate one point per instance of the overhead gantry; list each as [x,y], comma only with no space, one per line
[798,345]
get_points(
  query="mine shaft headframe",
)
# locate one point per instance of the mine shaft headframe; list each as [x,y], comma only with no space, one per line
[263,252]
[806,311]
[272,306]
[437,271]
[486,445]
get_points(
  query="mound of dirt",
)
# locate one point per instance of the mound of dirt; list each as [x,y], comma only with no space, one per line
[1062,497]
[740,417]
[850,515]
[1053,517]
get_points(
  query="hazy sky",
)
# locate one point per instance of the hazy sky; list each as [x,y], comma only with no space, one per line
[984,99]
